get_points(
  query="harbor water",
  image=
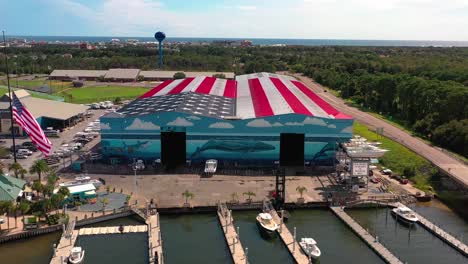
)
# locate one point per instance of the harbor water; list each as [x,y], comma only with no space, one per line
[198,238]
[411,244]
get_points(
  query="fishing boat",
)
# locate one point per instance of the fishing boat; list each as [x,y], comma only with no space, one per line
[266,224]
[309,246]
[405,215]
[76,255]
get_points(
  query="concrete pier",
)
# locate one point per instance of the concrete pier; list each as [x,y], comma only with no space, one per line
[440,233]
[62,251]
[288,239]
[112,230]
[230,234]
[154,239]
[373,243]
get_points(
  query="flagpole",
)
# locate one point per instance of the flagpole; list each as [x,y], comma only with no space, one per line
[10,96]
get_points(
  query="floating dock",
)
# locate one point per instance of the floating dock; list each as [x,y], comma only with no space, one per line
[437,231]
[288,239]
[380,249]
[62,251]
[154,239]
[112,230]
[232,238]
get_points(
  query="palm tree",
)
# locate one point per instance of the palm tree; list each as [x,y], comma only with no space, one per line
[104,202]
[187,195]
[22,172]
[15,167]
[64,191]
[56,200]
[301,190]
[13,210]
[38,187]
[39,167]
[24,207]
[249,195]
[5,207]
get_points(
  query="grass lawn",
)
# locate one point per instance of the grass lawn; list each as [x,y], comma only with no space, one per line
[400,159]
[92,94]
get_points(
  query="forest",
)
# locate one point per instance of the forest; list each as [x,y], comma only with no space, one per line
[424,89]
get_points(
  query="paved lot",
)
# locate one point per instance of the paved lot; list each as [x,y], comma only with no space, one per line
[452,166]
[166,190]
[65,137]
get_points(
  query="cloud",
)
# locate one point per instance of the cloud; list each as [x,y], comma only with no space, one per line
[314,121]
[277,124]
[193,118]
[138,124]
[223,125]
[247,7]
[348,129]
[259,123]
[180,121]
[105,126]
[332,126]
[308,121]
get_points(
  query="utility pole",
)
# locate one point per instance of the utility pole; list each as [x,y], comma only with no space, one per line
[11,97]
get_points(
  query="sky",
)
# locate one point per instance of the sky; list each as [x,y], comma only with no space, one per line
[303,19]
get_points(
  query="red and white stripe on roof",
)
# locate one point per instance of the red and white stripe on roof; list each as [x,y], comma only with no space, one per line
[257,95]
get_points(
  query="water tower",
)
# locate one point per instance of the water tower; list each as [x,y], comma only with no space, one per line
[160,36]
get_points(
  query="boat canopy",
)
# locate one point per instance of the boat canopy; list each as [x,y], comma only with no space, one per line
[265,216]
[309,241]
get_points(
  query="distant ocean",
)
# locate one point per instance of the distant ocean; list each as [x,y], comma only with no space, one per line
[264,41]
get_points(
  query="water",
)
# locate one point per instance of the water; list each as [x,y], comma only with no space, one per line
[334,238]
[115,248]
[193,239]
[260,250]
[36,250]
[260,41]
[416,245]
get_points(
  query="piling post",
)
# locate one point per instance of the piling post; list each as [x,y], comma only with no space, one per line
[230,217]
[233,245]
[225,225]
[238,233]
[157,219]
[246,255]
[282,220]
[159,237]
[294,242]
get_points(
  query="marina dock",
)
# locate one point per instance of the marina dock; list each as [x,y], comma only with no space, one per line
[154,239]
[288,239]
[112,230]
[62,251]
[440,233]
[230,234]
[373,243]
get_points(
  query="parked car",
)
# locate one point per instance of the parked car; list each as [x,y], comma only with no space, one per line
[2,221]
[21,156]
[27,144]
[403,180]
[16,147]
[386,172]
[23,151]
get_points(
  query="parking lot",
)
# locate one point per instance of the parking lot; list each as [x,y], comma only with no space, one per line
[65,142]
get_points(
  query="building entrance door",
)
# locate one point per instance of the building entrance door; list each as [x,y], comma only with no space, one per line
[291,149]
[173,149]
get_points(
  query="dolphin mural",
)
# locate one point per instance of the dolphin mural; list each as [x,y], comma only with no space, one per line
[242,146]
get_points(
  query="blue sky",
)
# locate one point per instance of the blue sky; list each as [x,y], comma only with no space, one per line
[332,19]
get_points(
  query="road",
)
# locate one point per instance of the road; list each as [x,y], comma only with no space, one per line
[453,167]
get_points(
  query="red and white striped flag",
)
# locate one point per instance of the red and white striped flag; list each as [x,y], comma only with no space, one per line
[29,124]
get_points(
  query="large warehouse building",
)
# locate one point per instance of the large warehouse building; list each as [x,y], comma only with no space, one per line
[260,118]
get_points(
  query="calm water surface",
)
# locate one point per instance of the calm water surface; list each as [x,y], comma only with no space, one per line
[334,238]
[260,250]
[415,245]
[193,239]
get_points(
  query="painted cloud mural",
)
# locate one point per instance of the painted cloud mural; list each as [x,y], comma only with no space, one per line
[180,121]
[222,125]
[139,124]
[259,123]
[105,126]
[308,121]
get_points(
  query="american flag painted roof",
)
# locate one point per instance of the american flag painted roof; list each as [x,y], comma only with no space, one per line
[256,95]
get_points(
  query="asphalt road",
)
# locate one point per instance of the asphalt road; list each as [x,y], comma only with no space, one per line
[447,163]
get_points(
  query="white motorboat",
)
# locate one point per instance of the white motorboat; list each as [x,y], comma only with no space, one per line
[266,224]
[309,246]
[405,215]
[76,255]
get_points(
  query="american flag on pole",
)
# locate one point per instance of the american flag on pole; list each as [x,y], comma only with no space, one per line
[29,124]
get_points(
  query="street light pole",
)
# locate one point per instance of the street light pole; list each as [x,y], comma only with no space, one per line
[135,174]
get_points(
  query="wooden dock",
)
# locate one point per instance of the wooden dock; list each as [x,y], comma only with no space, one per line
[62,251]
[230,234]
[440,233]
[112,230]
[154,239]
[288,239]
[380,249]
